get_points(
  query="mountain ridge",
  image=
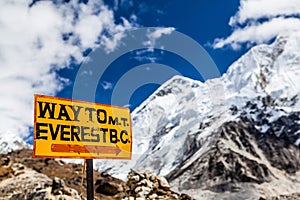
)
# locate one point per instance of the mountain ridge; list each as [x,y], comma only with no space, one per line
[261,88]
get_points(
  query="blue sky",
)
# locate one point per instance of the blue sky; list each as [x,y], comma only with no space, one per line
[204,21]
[43,43]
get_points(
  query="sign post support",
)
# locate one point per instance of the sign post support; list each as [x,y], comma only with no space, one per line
[89,179]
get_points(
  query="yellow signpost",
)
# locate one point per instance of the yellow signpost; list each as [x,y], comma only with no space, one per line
[65,128]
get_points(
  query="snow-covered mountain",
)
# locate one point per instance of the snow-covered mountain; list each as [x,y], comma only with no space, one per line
[188,127]
[10,142]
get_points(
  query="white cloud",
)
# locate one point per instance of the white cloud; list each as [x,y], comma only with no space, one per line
[152,36]
[157,33]
[107,85]
[37,41]
[260,33]
[147,55]
[256,9]
[127,106]
[259,21]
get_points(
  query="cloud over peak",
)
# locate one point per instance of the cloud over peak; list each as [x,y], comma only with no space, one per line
[259,21]
[256,9]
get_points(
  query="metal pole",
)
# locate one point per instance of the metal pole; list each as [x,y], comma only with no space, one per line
[89,179]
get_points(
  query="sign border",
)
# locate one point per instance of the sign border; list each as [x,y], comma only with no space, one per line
[76,157]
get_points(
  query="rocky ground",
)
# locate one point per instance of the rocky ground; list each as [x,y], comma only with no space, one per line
[22,177]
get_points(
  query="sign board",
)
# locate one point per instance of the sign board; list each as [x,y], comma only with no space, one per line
[64,128]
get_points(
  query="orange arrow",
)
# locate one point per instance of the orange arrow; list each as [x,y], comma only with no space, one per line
[69,148]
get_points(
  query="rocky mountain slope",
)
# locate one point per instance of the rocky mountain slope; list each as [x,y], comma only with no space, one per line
[234,137]
[22,177]
[241,162]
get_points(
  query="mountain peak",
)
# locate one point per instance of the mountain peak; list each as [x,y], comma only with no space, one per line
[266,70]
[9,142]
[173,86]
